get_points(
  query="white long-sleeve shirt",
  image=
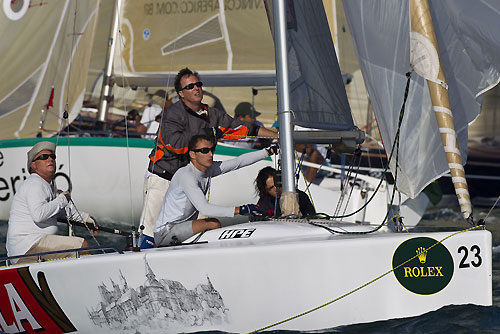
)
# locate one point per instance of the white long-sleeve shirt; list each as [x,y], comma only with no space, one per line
[185,197]
[33,214]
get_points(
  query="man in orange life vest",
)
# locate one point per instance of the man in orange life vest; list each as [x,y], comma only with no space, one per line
[184,119]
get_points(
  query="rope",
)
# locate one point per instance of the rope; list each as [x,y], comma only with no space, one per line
[363,285]
[396,143]
[305,180]
[246,136]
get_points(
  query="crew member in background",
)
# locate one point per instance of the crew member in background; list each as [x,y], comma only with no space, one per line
[184,119]
[246,112]
[186,195]
[36,207]
[269,195]
[151,116]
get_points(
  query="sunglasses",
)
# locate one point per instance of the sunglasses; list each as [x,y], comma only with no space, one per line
[205,150]
[45,156]
[191,85]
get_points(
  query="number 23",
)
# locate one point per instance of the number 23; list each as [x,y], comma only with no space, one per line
[476,261]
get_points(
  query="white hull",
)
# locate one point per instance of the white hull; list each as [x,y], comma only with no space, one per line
[251,276]
[107,181]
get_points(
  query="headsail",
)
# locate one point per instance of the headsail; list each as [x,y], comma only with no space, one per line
[225,42]
[44,48]
[317,93]
[469,48]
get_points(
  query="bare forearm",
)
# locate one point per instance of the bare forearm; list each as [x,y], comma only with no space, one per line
[263,132]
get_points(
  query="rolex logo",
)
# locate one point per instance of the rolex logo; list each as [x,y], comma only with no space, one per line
[418,272]
[422,254]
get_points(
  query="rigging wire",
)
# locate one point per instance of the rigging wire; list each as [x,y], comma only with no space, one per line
[64,120]
[396,143]
[121,43]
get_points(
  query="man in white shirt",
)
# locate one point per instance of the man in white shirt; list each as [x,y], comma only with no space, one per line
[37,205]
[185,197]
[150,120]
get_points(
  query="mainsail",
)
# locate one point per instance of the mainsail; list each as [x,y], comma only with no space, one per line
[469,49]
[224,41]
[45,46]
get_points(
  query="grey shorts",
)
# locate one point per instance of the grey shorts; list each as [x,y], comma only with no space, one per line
[177,233]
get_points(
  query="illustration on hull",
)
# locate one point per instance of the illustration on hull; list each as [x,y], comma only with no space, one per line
[159,303]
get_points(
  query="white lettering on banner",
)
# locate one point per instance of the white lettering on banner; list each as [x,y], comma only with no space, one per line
[19,309]
[7,328]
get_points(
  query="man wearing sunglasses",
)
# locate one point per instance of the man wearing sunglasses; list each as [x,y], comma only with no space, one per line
[184,119]
[37,205]
[186,195]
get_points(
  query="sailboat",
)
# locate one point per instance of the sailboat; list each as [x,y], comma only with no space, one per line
[281,274]
[148,51]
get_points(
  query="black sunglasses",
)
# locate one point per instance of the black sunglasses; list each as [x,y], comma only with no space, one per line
[45,156]
[205,150]
[191,85]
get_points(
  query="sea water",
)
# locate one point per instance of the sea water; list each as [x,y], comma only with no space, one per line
[449,319]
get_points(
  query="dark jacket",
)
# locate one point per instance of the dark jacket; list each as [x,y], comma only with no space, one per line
[180,123]
[267,204]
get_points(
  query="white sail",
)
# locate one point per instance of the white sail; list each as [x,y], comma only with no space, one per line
[470,53]
[225,42]
[44,48]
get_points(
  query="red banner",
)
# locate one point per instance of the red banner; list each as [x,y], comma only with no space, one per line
[27,308]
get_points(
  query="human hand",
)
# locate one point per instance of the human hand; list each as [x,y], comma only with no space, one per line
[272,150]
[91,221]
[214,132]
[251,210]
[66,194]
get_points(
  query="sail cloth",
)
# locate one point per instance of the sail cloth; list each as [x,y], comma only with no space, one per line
[469,47]
[45,45]
[225,41]
[317,93]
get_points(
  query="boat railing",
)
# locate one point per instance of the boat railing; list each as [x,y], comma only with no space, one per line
[77,252]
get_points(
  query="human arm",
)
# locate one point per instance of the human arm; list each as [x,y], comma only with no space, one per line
[41,205]
[197,198]
[222,167]
[233,128]
[263,132]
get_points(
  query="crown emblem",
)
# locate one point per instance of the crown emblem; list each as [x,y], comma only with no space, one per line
[422,254]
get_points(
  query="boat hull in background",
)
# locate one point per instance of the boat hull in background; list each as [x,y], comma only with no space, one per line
[106,177]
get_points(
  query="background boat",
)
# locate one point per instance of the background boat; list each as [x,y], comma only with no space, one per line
[111,170]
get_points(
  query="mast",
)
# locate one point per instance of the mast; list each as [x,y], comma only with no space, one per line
[107,80]
[289,198]
[426,61]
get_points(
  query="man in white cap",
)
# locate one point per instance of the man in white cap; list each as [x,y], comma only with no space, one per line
[37,205]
